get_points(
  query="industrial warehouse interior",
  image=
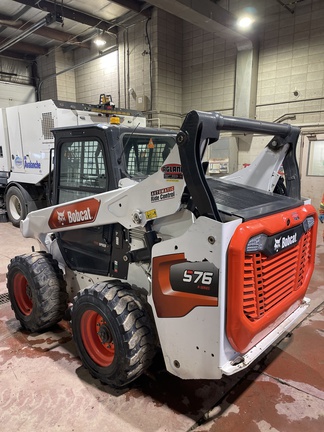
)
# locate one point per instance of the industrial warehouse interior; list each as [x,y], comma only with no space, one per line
[162,215]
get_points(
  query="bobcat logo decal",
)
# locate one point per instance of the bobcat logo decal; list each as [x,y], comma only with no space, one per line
[277,244]
[61,216]
[77,213]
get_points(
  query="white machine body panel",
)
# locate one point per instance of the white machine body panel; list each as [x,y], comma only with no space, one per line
[131,206]
[201,352]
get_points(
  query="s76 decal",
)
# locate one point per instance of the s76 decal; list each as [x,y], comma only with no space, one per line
[195,278]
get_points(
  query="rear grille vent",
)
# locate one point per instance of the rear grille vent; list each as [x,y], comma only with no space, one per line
[270,280]
[304,254]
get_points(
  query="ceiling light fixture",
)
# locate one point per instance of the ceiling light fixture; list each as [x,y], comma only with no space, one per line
[245,22]
[99,41]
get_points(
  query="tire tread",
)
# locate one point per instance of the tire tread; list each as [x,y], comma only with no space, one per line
[138,335]
[49,303]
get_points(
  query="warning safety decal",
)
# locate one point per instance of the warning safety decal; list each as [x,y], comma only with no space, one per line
[162,194]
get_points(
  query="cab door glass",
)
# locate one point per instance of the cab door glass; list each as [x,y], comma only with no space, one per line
[83,171]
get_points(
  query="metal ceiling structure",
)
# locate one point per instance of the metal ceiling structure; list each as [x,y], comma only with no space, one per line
[29,28]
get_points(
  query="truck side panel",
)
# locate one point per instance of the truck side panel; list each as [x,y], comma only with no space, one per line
[5,163]
[35,122]
[15,140]
[31,142]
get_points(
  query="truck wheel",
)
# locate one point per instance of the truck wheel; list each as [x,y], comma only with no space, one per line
[36,290]
[15,205]
[113,333]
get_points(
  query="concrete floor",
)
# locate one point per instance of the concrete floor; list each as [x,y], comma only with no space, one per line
[43,384]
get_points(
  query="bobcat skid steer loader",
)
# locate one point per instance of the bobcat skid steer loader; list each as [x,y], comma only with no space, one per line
[145,251]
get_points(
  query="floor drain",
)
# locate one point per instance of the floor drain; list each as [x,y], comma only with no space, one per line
[4,298]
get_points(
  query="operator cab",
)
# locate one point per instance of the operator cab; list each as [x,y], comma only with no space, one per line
[90,160]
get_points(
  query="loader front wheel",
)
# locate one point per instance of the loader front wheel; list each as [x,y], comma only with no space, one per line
[37,290]
[113,333]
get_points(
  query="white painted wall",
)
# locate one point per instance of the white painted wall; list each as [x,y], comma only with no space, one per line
[95,77]
[15,94]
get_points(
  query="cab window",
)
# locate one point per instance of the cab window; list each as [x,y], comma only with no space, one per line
[145,154]
[83,171]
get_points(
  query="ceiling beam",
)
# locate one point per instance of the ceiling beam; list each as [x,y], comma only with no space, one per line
[204,14]
[19,56]
[134,5]
[46,32]
[70,13]
[25,48]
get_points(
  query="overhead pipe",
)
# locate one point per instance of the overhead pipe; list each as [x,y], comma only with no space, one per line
[49,33]
[49,19]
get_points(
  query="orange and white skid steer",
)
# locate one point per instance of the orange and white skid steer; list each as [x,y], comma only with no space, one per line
[145,251]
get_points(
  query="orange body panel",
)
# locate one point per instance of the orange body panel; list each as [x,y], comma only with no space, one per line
[77,213]
[263,290]
[169,303]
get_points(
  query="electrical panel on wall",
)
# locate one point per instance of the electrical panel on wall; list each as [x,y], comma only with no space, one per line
[141,103]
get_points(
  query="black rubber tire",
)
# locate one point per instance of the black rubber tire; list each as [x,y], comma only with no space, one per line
[16,205]
[37,290]
[127,343]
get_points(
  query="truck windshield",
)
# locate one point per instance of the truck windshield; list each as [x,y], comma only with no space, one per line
[145,154]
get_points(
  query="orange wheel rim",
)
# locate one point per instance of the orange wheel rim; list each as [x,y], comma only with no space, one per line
[22,294]
[97,338]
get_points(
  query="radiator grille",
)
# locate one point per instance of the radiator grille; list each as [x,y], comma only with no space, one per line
[269,280]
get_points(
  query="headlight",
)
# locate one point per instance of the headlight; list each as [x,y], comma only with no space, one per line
[308,223]
[256,243]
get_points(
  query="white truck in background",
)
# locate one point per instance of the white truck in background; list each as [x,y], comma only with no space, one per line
[26,141]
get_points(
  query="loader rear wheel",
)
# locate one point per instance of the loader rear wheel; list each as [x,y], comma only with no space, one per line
[113,333]
[36,290]
[16,206]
